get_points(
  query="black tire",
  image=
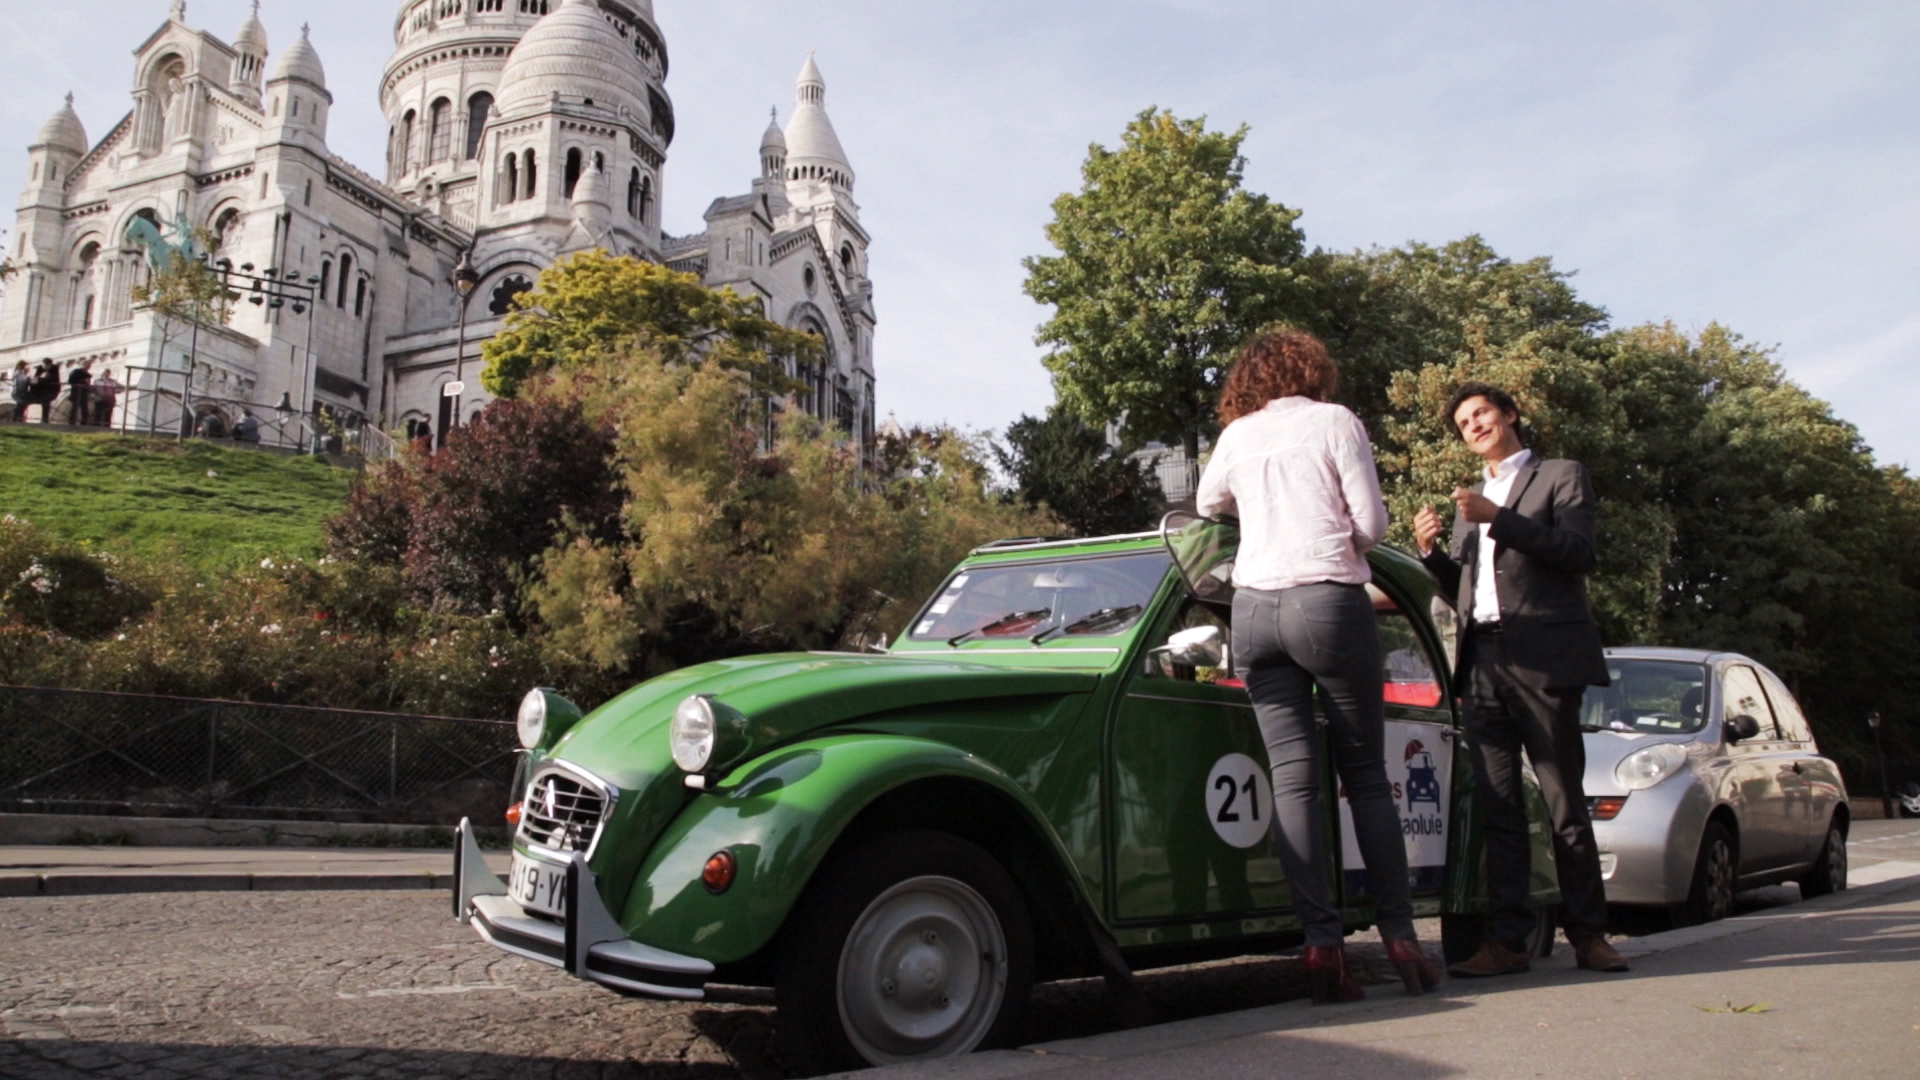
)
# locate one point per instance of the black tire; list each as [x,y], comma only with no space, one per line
[1715,871]
[1461,935]
[1829,872]
[907,898]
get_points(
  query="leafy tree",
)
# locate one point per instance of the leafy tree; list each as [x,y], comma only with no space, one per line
[1061,464]
[465,522]
[1166,265]
[592,305]
[182,291]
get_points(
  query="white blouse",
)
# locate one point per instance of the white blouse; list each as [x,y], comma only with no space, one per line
[1300,475]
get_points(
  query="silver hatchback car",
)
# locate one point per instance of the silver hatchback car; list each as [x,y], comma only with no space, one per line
[1703,778]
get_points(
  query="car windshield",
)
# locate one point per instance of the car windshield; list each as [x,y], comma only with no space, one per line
[1648,697]
[1043,600]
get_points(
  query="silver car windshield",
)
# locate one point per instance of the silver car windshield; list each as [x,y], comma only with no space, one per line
[1043,600]
[1648,697]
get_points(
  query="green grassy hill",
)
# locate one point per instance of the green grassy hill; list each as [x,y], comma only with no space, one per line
[210,505]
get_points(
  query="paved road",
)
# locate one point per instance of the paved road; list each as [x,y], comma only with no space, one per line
[386,984]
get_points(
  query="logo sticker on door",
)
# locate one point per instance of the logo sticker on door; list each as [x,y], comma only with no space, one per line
[1239,800]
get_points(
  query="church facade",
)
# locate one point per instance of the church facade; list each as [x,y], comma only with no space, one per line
[519,131]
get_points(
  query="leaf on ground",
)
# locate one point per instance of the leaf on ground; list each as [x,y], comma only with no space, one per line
[1756,1007]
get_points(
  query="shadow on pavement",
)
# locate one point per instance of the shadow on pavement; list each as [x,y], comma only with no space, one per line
[64,1059]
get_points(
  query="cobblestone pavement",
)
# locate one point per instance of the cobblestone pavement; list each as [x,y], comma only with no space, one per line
[211,986]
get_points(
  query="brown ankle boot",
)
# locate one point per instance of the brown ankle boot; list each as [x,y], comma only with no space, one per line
[1492,959]
[1595,954]
[1328,977]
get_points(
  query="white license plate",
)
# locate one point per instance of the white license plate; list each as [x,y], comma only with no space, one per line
[538,886]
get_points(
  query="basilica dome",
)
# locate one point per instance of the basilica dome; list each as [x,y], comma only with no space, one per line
[575,52]
[63,130]
[301,63]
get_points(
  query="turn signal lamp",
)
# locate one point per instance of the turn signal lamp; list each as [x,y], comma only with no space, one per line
[513,814]
[718,873]
[1608,807]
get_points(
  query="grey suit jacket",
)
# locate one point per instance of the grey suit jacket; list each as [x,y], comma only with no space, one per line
[1544,549]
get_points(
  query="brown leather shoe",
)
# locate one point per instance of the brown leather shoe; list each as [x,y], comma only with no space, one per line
[1492,959]
[1595,954]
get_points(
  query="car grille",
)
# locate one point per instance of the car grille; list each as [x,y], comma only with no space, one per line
[562,813]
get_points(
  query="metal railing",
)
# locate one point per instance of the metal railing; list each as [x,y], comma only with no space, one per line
[89,752]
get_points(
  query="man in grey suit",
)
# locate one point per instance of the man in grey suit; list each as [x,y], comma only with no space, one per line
[1529,648]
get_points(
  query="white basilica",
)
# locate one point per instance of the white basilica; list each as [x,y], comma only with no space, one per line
[521,130]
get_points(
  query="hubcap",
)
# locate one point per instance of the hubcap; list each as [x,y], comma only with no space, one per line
[1719,882]
[923,972]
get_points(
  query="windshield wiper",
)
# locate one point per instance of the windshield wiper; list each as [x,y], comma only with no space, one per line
[1008,619]
[1099,620]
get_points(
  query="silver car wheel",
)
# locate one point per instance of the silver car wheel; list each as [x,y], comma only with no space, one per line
[1836,860]
[923,972]
[1719,881]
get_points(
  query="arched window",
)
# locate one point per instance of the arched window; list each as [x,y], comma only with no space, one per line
[646,198]
[479,110]
[509,188]
[600,161]
[360,298]
[501,301]
[633,194]
[326,277]
[346,274]
[84,284]
[226,231]
[846,259]
[532,179]
[573,171]
[440,131]
[407,124]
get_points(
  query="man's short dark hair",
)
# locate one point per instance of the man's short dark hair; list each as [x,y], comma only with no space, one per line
[1499,398]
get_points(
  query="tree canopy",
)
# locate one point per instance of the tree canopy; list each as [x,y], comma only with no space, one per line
[1166,264]
[591,305]
[1093,488]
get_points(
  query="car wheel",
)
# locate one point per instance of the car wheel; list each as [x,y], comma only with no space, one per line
[911,945]
[1829,872]
[1461,935]
[1710,898]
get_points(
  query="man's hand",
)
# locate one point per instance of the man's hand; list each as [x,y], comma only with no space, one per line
[1475,507]
[1426,529]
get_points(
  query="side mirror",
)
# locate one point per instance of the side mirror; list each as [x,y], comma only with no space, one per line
[1742,727]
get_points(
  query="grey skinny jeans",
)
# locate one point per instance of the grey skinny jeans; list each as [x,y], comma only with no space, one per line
[1285,643]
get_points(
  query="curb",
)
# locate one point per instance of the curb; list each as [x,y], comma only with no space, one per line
[84,884]
[1117,1045]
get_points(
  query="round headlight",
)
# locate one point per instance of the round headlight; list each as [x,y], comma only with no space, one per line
[1644,768]
[532,721]
[692,733]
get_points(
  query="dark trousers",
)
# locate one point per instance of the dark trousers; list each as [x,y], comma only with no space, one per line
[1509,710]
[1285,643]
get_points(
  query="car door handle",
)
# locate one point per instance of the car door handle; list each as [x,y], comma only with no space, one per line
[1799,768]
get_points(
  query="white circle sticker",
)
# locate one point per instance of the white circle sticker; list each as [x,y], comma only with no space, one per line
[1239,800]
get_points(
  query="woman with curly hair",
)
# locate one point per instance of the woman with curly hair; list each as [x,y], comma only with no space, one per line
[1298,470]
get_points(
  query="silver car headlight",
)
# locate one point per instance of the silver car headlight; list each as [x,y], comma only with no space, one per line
[532,721]
[1644,768]
[705,735]
[692,733]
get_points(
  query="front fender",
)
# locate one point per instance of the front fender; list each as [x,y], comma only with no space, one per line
[780,815]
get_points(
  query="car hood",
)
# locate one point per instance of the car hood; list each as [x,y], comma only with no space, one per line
[785,696]
[1606,749]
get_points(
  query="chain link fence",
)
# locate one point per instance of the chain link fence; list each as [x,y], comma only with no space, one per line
[86,752]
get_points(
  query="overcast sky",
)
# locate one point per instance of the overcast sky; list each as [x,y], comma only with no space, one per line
[1753,164]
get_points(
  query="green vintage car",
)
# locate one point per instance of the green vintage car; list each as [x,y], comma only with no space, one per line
[1052,773]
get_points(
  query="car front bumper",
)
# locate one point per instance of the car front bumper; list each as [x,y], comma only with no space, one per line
[1654,842]
[588,943]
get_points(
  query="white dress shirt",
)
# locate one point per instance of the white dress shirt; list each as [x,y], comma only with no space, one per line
[1499,486]
[1300,474]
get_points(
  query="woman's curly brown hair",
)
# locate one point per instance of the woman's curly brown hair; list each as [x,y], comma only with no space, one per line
[1277,363]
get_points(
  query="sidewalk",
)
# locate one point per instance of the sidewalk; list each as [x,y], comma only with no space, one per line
[1826,988]
[75,871]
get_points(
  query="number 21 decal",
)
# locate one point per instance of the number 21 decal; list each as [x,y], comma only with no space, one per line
[1239,800]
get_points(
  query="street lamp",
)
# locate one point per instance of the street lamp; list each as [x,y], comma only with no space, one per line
[1880,751]
[465,277]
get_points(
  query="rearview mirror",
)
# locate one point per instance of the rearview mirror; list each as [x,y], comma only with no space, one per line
[1196,646]
[1742,727]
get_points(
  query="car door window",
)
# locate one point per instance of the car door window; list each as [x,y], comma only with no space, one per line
[1741,695]
[1786,711]
[1409,668]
